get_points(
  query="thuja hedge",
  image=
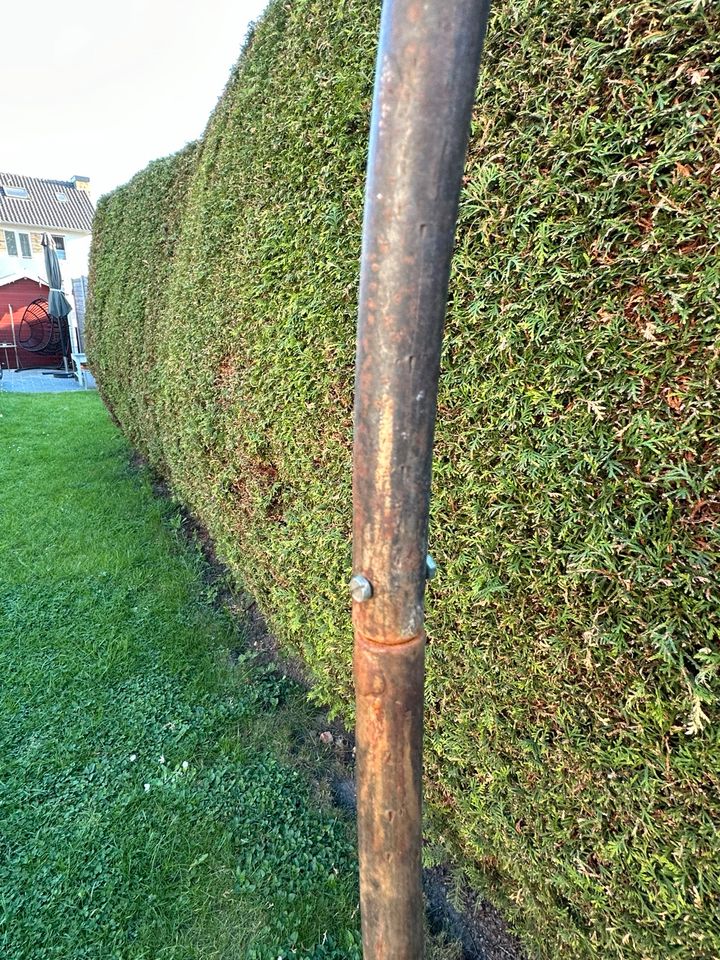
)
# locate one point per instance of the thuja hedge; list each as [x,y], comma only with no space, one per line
[572,723]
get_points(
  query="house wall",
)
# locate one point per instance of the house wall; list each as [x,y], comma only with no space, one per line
[77,251]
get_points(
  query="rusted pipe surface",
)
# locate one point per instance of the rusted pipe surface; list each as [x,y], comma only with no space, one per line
[424,90]
[389,683]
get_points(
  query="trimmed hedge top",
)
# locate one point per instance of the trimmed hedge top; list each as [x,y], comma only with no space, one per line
[572,745]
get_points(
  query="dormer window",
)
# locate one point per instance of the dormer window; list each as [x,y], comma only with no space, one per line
[17,193]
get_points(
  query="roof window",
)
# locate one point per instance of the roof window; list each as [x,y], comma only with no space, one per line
[19,193]
[61,197]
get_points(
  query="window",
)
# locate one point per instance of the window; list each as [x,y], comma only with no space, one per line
[61,197]
[19,193]
[59,247]
[11,242]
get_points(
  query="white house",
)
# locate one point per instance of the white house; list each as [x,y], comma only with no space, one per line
[29,207]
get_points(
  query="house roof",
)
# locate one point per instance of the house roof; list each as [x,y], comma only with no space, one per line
[42,208]
[14,277]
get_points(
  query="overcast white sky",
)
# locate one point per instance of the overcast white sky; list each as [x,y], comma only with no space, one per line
[100,88]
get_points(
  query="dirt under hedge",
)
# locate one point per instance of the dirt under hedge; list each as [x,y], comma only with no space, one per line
[573,755]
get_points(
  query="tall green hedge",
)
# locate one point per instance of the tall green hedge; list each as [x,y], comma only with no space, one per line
[572,719]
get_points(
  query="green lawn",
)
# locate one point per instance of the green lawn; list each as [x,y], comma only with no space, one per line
[148,804]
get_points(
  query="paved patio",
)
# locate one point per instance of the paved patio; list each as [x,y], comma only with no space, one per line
[39,381]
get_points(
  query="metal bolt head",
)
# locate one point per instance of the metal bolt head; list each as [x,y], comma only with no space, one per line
[360,588]
[430,568]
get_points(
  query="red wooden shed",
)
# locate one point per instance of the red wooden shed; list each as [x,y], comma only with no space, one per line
[16,294]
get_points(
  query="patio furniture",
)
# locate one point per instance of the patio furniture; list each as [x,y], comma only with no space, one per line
[80,366]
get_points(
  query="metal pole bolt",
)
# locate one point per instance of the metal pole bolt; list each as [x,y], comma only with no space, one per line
[360,588]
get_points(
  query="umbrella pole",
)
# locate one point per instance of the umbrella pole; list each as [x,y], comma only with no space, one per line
[64,340]
[427,69]
[12,326]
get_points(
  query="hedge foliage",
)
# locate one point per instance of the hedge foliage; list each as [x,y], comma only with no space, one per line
[572,718]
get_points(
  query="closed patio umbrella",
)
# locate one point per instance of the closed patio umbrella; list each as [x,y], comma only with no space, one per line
[58,304]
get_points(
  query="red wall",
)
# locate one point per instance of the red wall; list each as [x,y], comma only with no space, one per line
[18,295]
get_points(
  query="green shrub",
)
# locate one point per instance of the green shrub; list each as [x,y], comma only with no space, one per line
[572,738]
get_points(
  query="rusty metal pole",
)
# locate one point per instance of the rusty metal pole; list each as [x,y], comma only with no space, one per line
[425,83]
